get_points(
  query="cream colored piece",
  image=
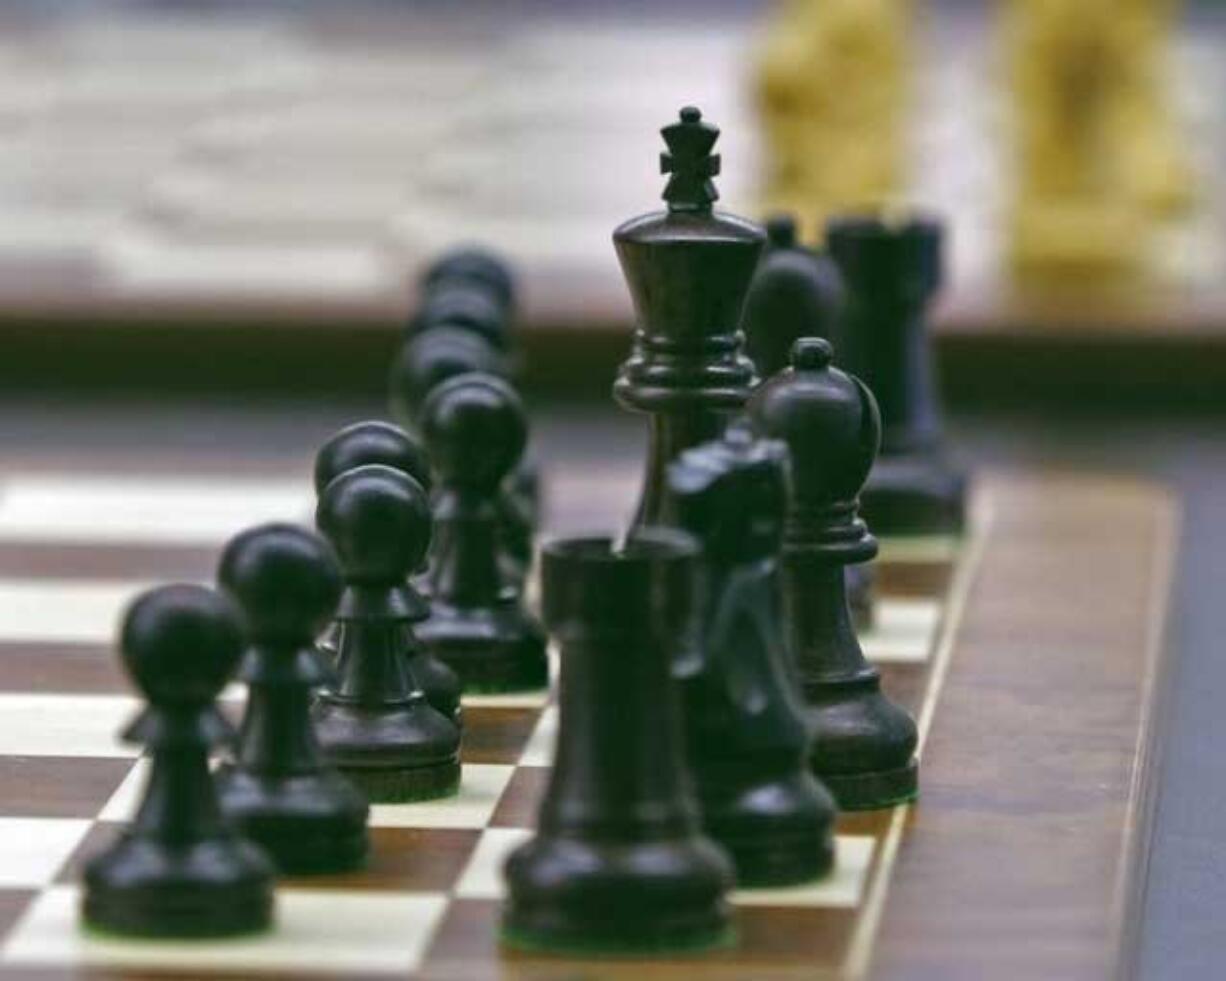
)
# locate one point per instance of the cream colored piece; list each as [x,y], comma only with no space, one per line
[831,86]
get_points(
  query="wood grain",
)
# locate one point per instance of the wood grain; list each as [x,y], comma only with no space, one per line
[1025,853]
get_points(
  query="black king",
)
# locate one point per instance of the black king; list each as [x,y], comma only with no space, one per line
[688,269]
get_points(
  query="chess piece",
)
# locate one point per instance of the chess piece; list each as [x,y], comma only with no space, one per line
[367,442]
[428,360]
[470,288]
[1075,102]
[688,269]
[794,293]
[475,430]
[892,269]
[797,293]
[618,863]
[278,790]
[375,722]
[364,443]
[747,737]
[864,744]
[181,869]
[831,91]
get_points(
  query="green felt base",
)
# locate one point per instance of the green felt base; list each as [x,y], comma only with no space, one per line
[392,786]
[873,791]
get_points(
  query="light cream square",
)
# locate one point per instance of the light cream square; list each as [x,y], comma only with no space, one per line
[481,786]
[316,931]
[32,850]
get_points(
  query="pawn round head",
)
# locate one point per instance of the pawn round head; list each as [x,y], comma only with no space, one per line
[371,442]
[475,429]
[828,419]
[286,580]
[429,359]
[781,231]
[378,520]
[181,643]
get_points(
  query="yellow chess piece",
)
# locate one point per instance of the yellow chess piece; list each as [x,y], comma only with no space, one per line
[1154,155]
[1096,151]
[831,82]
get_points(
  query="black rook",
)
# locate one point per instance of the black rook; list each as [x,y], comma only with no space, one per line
[618,863]
[891,270]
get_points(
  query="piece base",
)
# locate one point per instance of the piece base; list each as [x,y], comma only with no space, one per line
[780,860]
[619,945]
[149,916]
[874,790]
[295,853]
[386,785]
[503,675]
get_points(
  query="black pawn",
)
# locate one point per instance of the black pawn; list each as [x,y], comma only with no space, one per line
[375,722]
[364,443]
[181,869]
[746,732]
[307,816]
[618,864]
[795,293]
[891,270]
[687,269]
[430,358]
[864,744]
[475,430]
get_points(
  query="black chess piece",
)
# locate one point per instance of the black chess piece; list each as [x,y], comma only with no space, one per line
[892,269]
[181,869]
[864,744]
[474,429]
[745,729]
[369,442]
[375,722]
[795,293]
[470,288]
[279,791]
[618,863]
[428,360]
[688,269]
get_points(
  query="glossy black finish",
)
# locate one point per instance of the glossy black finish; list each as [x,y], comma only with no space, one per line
[181,869]
[892,269]
[747,738]
[794,293]
[687,269]
[475,430]
[375,722]
[864,744]
[618,863]
[470,287]
[370,442]
[427,360]
[278,789]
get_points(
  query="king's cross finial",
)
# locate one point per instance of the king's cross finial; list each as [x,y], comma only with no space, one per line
[690,162]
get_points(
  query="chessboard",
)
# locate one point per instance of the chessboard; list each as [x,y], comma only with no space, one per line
[1029,650]
[292,162]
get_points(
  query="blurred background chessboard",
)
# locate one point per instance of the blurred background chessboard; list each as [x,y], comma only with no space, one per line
[295,163]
